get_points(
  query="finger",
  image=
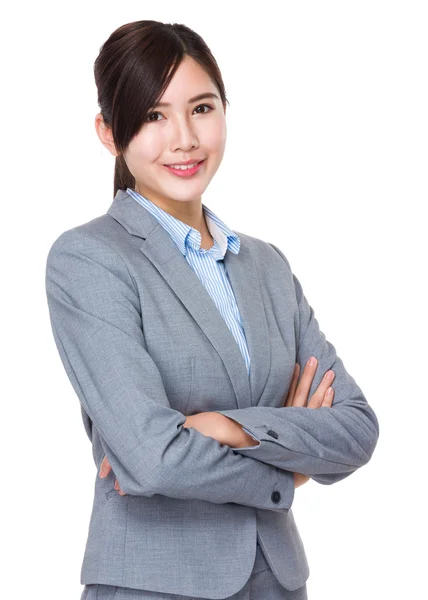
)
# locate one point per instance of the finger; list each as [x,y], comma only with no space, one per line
[318,396]
[105,467]
[328,397]
[302,391]
[118,488]
[293,385]
[300,479]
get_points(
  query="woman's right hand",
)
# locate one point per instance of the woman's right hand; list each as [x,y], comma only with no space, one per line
[298,396]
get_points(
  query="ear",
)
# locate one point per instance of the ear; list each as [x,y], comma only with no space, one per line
[105,134]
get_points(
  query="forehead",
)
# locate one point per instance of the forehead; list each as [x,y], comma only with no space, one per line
[190,81]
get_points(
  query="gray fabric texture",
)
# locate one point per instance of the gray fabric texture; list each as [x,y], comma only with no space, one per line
[144,345]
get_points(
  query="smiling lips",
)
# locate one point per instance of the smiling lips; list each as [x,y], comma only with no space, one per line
[185,170]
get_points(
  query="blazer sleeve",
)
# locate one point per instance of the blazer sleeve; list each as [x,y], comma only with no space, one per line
[327,443]
[94,310]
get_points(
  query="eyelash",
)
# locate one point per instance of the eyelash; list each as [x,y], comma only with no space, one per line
[158,113]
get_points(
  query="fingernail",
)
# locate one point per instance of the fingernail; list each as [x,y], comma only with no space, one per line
[311,361]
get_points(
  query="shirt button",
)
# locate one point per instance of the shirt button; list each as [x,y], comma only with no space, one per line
[276,496]
[272,434]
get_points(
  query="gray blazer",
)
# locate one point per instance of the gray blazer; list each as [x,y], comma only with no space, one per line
[144,345]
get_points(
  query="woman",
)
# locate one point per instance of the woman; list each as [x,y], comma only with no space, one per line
[184,341]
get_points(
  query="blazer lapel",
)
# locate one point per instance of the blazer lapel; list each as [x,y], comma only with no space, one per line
[161,250]
[245,281]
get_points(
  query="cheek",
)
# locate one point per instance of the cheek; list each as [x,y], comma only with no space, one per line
[143,151]
[152,144]
[214,138]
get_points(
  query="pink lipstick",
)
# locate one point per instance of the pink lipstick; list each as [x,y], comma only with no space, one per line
[185,172]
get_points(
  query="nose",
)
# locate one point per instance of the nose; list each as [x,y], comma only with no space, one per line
[183,135]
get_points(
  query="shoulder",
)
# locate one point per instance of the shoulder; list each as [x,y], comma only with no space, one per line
[102,230]
[93,249]
[266,253]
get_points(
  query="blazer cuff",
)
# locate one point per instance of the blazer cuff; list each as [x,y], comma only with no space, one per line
[251,426]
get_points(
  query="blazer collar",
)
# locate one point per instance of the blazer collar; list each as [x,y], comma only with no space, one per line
[161,250]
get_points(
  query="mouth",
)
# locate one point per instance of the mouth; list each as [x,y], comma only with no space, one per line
[186,170]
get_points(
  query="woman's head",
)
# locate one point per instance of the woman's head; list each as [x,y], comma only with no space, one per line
[141,65]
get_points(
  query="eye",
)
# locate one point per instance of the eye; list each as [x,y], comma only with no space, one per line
[207,106]
[150,115]
[150,120]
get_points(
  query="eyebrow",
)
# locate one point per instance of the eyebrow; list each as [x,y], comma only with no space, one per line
[194,99]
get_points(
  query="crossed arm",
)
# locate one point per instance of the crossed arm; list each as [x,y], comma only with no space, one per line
[223,429]
[229,432]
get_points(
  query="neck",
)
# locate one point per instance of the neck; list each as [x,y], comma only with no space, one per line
[189,212]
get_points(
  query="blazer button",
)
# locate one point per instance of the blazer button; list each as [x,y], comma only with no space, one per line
[272,434]
[276,496]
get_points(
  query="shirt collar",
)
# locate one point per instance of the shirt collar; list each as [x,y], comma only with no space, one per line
[184,235]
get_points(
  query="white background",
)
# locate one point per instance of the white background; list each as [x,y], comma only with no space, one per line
[326,158]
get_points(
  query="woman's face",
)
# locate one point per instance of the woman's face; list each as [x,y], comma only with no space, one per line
[177,133]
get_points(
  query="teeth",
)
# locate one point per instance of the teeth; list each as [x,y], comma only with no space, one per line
[183,167]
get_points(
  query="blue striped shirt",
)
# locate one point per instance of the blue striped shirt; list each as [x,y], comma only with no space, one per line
[207,264]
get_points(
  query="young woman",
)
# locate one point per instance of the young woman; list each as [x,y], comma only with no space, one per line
[193,351]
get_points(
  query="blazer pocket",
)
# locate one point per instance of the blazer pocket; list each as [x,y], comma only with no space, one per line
[111,493]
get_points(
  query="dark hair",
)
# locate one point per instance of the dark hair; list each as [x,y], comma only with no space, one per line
[131,75]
